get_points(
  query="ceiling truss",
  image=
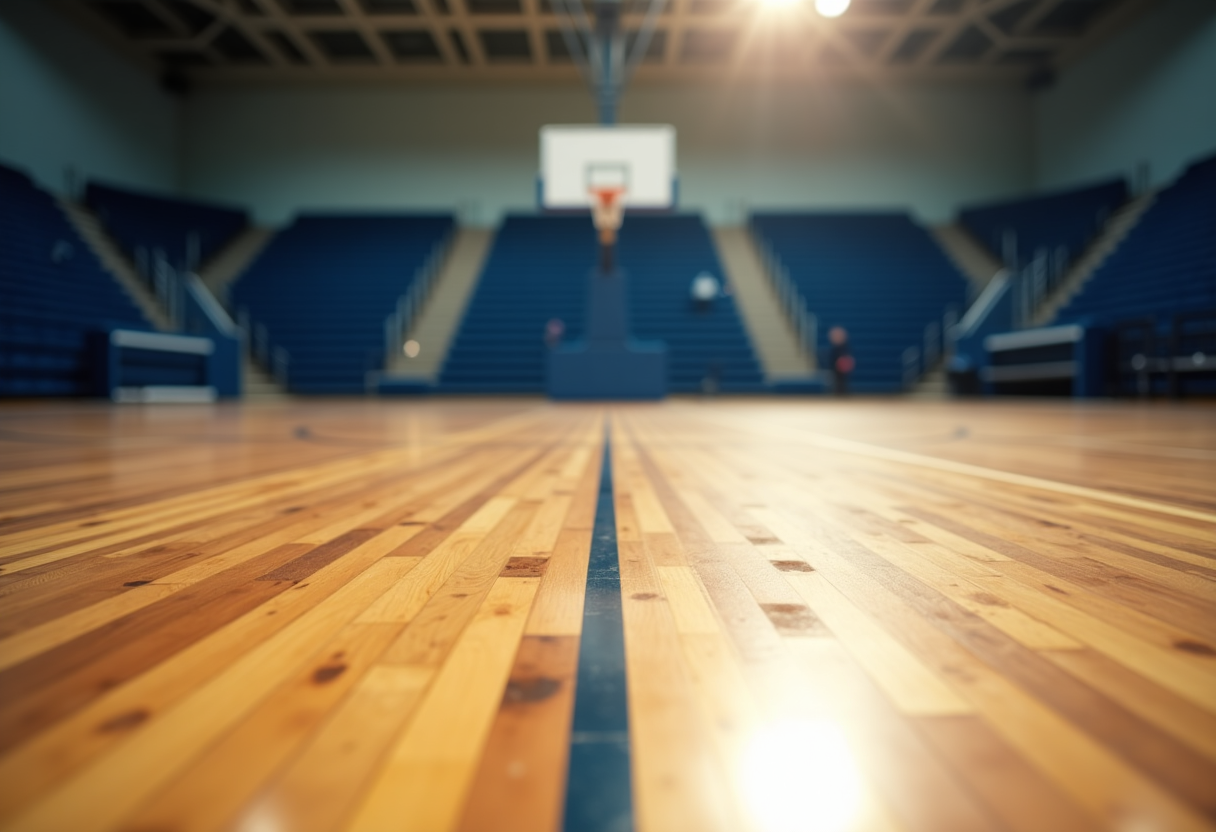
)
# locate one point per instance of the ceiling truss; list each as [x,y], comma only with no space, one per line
[235,41]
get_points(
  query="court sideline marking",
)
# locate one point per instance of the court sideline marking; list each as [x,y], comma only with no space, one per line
[599,796]
[878,452]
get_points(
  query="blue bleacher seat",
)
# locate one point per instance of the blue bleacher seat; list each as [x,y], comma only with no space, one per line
[662,255]
[538,270]
[53,293]
[149,222]
[535,271]
[324,286]
[1167,263]
[1065,220]
[880,276]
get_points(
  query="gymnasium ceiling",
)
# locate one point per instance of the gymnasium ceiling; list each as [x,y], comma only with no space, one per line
[248,41]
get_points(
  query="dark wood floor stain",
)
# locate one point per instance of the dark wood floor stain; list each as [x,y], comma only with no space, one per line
[525,567]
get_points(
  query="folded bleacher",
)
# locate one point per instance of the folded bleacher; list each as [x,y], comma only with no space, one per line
[1058,225]
[186,232]
[53,295]
[880,276]
[323,288]
[538,270]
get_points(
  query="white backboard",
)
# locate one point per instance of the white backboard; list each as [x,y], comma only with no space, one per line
[574,157]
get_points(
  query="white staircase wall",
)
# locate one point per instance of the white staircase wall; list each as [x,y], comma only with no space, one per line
[781,355]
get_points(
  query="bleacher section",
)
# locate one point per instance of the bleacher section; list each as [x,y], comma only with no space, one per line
[880,276]
[662,255]
[187,232]
[1156,294]
[1067,220]
[1167,263]
[323,288]
[537,271]
[53,294]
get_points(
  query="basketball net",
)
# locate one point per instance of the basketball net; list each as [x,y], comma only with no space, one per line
[607,211]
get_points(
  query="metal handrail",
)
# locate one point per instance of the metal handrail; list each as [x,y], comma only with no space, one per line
[937,344]
[950,319]
[166,284]
[273,358]
[932,344]
[261,344]
[400,322]
[281,366]
[793,305]
[911,362]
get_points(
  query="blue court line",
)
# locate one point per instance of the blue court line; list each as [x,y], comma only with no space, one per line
[599,795]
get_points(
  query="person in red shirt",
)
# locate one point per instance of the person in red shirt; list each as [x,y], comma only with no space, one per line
[841,359]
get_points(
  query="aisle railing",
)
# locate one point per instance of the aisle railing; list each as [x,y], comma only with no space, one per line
[400,323]
[793,304]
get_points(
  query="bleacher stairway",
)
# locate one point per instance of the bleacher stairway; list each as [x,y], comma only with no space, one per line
[968,254]
[781,356]
[440,318]
[228,264]
[1102,247]
[879,275]
[256,383]
[217,275]
[331,291]
[116,263]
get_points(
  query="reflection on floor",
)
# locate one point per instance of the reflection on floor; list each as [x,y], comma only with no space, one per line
[369,615]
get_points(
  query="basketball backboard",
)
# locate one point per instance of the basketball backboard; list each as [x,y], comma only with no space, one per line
[576,159]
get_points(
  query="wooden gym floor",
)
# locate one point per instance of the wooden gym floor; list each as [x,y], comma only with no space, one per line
[864,615]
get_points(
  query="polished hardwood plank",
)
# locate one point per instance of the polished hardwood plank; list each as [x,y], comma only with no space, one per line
[838,615]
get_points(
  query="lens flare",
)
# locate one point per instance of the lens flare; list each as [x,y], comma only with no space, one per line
[831,8]
[800,776]
[411,348]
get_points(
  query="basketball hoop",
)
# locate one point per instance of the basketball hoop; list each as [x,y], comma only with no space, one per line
[607,210]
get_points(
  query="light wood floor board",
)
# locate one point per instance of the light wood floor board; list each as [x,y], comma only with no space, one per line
[847,616]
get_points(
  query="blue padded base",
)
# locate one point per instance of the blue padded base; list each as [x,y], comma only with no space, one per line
[403,387]
[608,364]
[596,370]
[813,386]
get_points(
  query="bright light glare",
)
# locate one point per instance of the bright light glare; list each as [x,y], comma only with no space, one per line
[262,818]
[411,348]
[831,8]
[800,776]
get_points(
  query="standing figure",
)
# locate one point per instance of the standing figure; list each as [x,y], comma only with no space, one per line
[555,328]
[841,359]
